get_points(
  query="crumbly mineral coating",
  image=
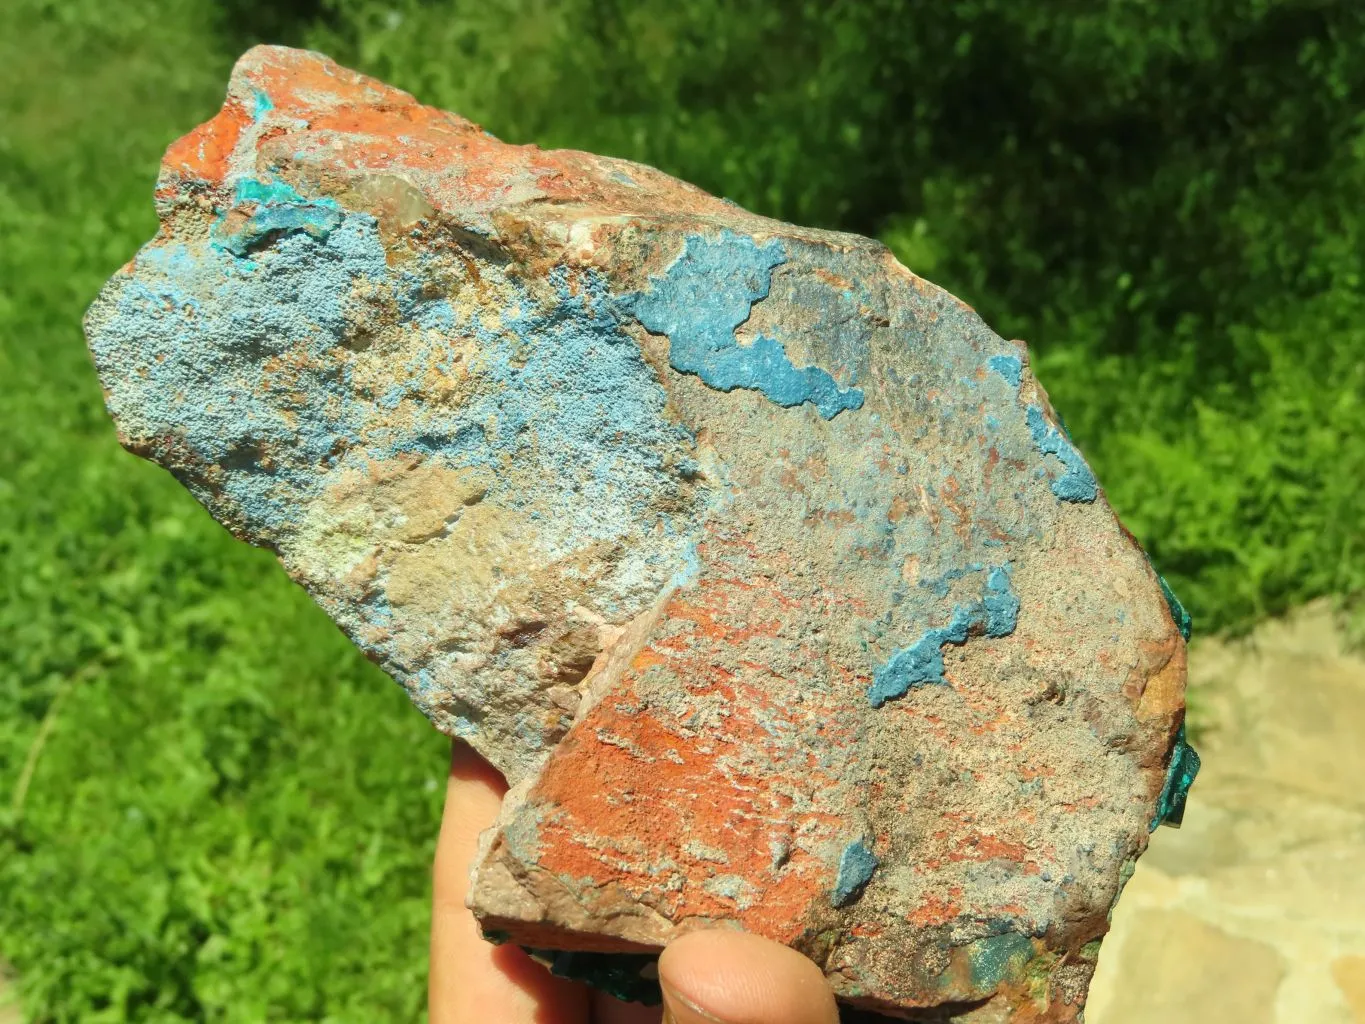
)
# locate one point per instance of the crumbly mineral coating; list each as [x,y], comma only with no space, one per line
[760,566]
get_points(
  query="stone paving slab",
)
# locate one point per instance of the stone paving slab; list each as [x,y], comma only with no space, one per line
[1254,912]
[9,999]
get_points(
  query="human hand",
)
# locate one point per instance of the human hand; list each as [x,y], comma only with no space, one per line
[708,977]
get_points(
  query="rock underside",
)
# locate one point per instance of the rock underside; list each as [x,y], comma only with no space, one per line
[760,566]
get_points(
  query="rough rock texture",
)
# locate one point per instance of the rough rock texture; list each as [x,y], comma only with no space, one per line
[761,566]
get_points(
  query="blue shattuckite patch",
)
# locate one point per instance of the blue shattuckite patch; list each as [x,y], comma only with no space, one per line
[1180,776]
[242,364]
[856,866]
[703,296]
[995,615]
[1077,483]
[201,322]
[1001,603]
[1009,367]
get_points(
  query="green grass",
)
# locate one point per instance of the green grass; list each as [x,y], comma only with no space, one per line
[226,813]
[231,814]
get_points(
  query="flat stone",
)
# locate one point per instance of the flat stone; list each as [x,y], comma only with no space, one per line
[1264,854]
[762,568]
[1285,705]
[1349,974]
[1306,736]
[1321,883]
[10,1012]
[1241,820]
[1194,973]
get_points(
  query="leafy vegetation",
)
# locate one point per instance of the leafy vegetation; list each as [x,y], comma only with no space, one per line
[228,815]
[212,808]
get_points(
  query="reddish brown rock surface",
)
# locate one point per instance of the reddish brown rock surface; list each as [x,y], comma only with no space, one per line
[760,566]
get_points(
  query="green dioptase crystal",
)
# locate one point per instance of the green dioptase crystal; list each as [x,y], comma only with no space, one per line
[1180,773]
[630,977]
[1184,765]
[1182,618]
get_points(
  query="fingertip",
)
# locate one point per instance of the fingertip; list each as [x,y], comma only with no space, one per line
[467,765]
[733,977]
[471,979]
[474,792]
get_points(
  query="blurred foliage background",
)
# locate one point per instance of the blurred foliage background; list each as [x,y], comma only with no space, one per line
[212,808]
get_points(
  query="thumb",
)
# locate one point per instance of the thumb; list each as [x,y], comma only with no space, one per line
[729,977]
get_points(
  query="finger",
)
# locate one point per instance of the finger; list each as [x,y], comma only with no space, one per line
[729,977]
[473,981]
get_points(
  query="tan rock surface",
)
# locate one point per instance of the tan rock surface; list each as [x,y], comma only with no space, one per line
[1255,910]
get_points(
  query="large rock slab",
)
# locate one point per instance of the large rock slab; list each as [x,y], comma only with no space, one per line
[761,567]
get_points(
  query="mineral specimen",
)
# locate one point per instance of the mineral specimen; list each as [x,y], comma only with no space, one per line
[761,567]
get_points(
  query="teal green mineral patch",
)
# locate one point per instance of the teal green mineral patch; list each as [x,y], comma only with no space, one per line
[856,866]
[700,301]
[280,210]
[999,956]
[1182,618]
[1180,774]
[1184,764]
[261,104]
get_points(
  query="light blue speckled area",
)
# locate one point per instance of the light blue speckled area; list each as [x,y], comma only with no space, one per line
[562,386]
[233,359]
[197,322]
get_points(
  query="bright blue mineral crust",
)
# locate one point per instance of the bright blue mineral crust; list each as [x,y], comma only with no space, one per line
[1077,483]
[856,866]
[995,614]
[704,295]
[1010,367]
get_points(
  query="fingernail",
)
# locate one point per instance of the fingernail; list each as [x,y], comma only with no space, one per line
[678,1010]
